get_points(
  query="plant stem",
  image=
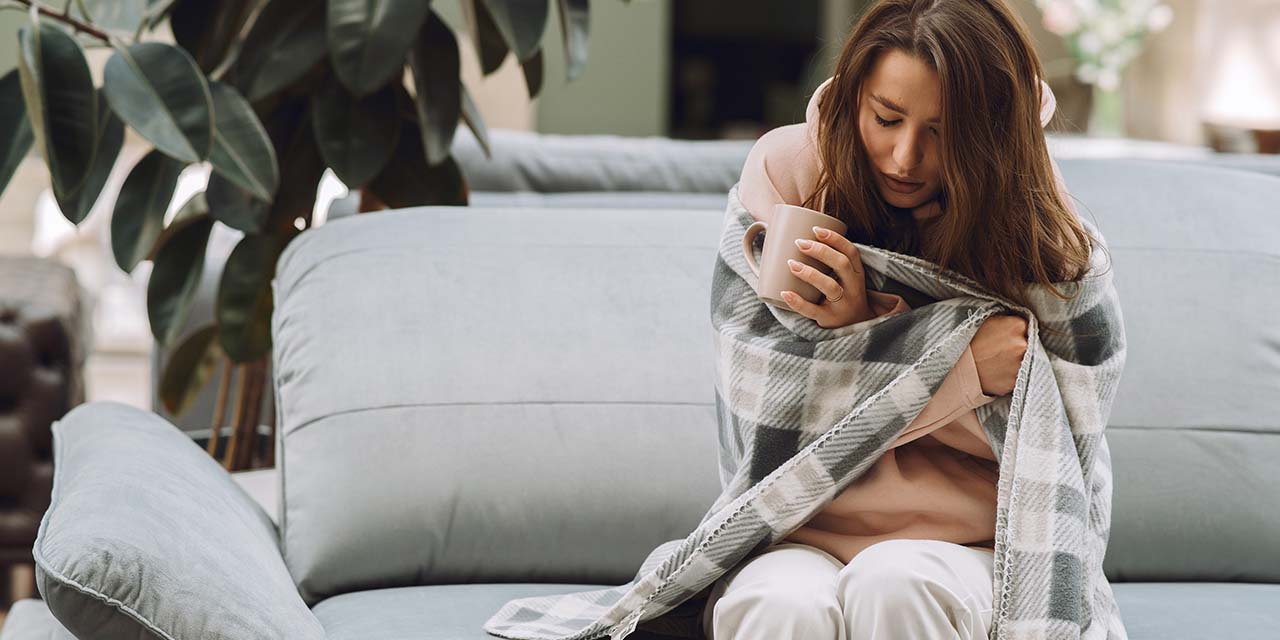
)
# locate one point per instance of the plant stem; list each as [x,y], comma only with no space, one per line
[65,18]
[220,405]
[237,415]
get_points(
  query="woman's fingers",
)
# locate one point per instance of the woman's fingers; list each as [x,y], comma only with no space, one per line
[801,306]
[840,245]
[823,282]
[837,260]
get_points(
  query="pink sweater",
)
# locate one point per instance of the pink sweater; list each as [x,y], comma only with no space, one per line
[938,481]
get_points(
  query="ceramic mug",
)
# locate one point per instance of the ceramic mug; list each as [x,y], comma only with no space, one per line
[789,223]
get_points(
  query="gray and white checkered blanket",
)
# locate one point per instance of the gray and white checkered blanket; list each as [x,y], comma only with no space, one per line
[804,411]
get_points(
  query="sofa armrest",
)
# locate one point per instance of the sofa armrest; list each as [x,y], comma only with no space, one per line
[148,536]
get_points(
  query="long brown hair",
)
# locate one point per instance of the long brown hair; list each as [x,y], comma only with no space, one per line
[1003,224]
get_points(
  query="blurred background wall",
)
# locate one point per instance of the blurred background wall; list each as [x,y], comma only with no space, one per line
[736,68]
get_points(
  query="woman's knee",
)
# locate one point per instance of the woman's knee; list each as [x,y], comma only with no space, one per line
[898,568]
[788,591]
[778,613]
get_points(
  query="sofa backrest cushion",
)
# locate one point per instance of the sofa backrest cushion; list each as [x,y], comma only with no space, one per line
[490,395]
[1195,430]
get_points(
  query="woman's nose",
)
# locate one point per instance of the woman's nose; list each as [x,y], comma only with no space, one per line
[907,152]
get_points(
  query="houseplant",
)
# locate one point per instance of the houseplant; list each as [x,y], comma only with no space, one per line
[368,88]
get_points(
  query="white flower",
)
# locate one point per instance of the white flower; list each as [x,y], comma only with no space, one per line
[1111,58]
[1087,8]
[1111,30]
[1089,42]
[1087,73]
[1108,78]
[1159,18]
[1061,18]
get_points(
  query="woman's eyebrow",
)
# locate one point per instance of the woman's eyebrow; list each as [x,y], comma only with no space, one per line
[892,105]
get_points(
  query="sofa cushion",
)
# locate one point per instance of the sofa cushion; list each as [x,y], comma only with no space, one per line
[548,162]
[147,536]
[1151,610]
[1194,610]
[491,394]
[436,612]
[1194,429]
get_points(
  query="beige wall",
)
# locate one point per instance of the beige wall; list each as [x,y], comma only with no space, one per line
[501,96]
[623,89]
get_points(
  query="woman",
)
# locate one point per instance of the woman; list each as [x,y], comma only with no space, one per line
[928,141]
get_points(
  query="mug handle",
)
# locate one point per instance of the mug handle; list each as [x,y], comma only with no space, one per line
[748,244]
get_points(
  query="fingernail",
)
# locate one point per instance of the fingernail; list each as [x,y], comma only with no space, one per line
[803,244]
[820,232]
[795,266]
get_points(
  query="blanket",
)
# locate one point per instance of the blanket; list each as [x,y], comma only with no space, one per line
[803,411]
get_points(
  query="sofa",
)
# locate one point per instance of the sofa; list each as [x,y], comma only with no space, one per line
[449,382]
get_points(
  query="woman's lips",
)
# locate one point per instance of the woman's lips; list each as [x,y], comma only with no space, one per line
[899,186]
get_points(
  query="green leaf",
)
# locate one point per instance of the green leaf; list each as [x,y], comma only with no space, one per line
[244,297]
[521,23]
[15,131]
[533,74]
[286,39]
[233,206]
[574,25]
[300,177]
[61,103]
[368,39]
[356,136]
[242,152]
[475,122]
[407,181]
[490,43]
[75,207]
[138,216]
[175,277]
[437,86]
[191,211]
[208,29]
[158,90]
[189,368]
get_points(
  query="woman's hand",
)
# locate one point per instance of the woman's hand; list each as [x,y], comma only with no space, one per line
[998,348]
[846,284]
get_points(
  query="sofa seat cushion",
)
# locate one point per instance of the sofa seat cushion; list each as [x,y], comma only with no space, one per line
[1186,610]
[434,612]
[1151,610]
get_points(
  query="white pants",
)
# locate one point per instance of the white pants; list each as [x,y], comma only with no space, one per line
[901,588]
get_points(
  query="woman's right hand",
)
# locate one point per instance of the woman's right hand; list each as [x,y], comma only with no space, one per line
[998,348]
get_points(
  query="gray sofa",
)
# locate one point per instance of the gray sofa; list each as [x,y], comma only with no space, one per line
[449,381]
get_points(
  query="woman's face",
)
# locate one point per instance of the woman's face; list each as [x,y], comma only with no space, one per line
[899,118]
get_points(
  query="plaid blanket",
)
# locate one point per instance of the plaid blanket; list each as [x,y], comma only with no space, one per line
[803,411]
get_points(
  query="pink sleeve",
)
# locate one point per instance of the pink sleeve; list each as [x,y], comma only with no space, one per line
[782,166]
[961,391]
